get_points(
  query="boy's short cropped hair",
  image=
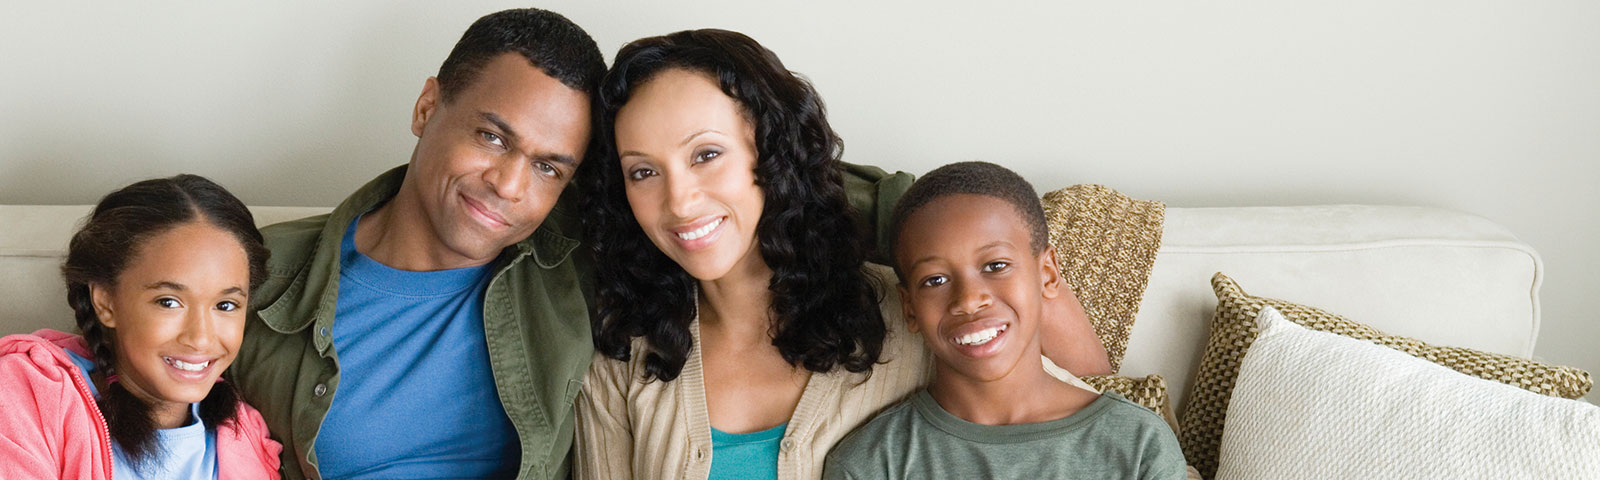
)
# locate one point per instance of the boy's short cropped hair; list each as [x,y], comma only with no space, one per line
[976,178]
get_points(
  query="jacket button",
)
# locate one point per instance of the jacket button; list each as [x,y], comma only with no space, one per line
[788,444]
[320,389]
[324,331]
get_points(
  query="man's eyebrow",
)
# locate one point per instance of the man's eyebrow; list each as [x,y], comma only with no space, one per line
[567,160]
[500,123]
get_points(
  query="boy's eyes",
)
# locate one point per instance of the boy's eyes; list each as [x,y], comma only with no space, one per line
[934,281]
[995,266]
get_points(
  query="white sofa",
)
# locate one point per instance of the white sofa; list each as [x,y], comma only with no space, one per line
[1440,276]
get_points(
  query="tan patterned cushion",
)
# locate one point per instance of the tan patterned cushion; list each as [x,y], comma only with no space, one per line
[1150,392]
[1106,243]
[1233,328]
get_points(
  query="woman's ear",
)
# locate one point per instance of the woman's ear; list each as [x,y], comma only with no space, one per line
[101,297]
[1049,273]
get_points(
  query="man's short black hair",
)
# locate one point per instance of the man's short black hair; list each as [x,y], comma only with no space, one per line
[558,47]
[975,178]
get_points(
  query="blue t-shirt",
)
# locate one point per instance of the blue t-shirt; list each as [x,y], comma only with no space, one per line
[416,396]
[752,456]
[189,451]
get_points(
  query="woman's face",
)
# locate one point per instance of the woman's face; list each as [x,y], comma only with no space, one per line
[688,159]
[177,313]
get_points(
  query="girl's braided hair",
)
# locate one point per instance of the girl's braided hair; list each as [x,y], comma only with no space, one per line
[107,244]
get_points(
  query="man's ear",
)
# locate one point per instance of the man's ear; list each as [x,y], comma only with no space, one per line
[1050,272]
[427,102]
[905,308]
[100,296]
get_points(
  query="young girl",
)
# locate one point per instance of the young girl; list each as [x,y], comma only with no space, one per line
[158,279]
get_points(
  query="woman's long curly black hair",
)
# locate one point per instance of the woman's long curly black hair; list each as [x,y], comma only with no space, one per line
[824,306]
[106,246]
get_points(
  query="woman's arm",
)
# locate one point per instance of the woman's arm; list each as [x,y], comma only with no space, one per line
[1068,339]
[604,443]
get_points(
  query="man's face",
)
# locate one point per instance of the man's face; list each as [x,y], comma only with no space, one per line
[491,162]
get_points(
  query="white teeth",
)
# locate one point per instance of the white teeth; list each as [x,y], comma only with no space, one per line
[980,337]
[702,231]
[186,366]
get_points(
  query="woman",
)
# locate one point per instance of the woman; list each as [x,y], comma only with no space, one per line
[739,335]
[158,279]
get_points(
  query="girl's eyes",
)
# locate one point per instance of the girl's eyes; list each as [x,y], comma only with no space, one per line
[995,266]
[227,306]
[168,302]
[934,281]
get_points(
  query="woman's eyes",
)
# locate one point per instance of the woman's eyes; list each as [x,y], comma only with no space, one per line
[706,155]
[227,306]
[547,169]
[641,173]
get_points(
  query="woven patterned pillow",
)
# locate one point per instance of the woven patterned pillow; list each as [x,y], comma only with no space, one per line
[1233,328]
[1106,243]
[1150,392]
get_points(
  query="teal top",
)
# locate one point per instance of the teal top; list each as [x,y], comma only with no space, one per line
[752,456]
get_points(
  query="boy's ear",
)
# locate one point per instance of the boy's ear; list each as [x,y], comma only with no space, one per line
[1050,273]
[905,307]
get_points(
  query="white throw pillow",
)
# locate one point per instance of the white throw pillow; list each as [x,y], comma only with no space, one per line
[1310,404]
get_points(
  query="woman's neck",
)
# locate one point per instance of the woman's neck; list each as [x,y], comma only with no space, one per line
[739,304]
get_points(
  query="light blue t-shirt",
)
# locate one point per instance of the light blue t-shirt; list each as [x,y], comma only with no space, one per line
[416,397]
[188,452]
[750,456]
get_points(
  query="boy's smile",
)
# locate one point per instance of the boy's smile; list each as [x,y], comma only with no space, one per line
[974,286]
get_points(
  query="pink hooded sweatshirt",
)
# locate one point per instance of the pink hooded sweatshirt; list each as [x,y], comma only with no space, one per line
[50,426]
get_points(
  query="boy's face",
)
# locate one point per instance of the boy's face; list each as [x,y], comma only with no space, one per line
[973,286]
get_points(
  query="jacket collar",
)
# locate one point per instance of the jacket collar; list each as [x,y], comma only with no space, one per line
[549,245]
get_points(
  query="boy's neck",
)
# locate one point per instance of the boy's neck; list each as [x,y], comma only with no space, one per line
[1028,395]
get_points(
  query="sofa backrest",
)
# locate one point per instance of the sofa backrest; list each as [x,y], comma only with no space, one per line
[33,242]
[1441,276]
[1437,275]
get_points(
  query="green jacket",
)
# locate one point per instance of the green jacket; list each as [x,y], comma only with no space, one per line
[535,317]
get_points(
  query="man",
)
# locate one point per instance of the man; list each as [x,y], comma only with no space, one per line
[435,324]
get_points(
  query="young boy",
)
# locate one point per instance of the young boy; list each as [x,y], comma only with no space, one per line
[975,264]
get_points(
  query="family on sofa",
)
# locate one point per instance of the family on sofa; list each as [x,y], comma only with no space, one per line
[660,270]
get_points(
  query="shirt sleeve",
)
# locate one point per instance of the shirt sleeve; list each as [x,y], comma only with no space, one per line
[873,193]
[603,447]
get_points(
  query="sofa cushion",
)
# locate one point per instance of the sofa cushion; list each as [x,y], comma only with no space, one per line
[1233,328]
[1313,404]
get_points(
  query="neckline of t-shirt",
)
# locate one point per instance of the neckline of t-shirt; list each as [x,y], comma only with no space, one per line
[360,268]
[924,404]
[719,437]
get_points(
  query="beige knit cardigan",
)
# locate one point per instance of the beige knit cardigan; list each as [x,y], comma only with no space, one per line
[629,428]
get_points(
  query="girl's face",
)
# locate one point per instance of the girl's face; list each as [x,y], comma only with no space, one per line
[688,159]
[177,313]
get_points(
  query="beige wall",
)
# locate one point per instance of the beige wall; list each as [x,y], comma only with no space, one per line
[1491,108]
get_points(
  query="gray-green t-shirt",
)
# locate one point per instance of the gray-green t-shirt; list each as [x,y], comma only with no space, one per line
[1110,438]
